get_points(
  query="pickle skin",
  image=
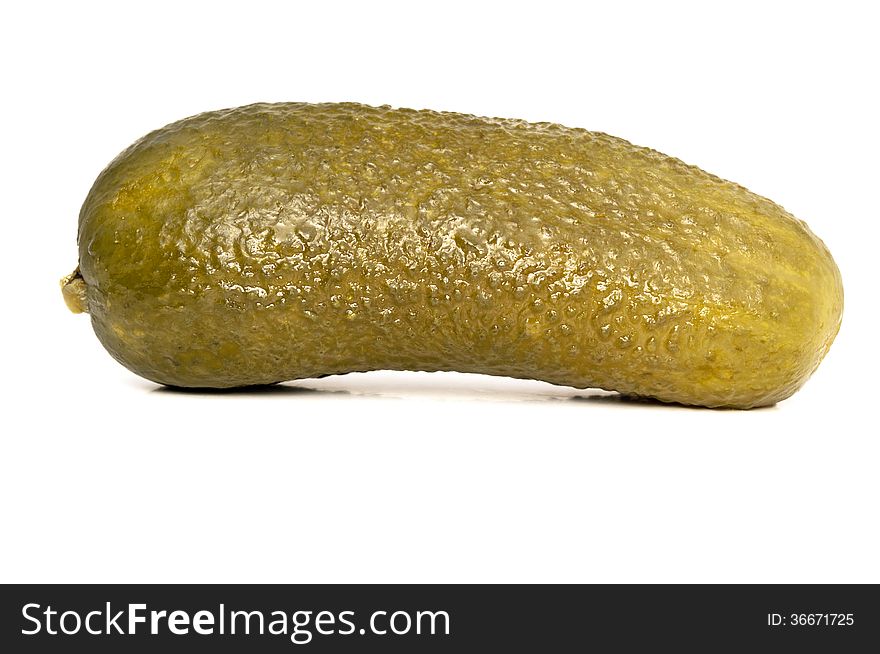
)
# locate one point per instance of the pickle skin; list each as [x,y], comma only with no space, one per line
[285,241]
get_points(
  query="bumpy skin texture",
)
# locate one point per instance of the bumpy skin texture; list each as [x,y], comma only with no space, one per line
[283,241]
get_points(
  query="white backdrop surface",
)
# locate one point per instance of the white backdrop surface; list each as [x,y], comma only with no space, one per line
[416,477]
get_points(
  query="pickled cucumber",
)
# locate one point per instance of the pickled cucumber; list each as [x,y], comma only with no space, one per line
[286,241]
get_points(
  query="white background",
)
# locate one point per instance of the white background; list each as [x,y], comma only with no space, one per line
[409,477]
